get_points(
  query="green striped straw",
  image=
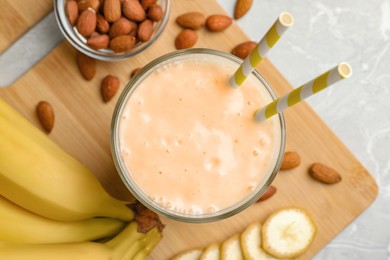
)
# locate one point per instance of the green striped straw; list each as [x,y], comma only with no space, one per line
[284,21]
[342,71]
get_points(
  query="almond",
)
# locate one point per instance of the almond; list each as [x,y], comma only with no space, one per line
[155,13]
[99,41]
[112,10]
[218,22]
[85,4]
[86,65]
[147,3]
[145,30]
[133,10]
[109,87]
[191,20]
[134,29]
[268,193]
[95,33]
[324,174]
[86,23]
[102,25]
[122,43]
[121,26]
[135,71]
[186,39]
[242,50]
[71,12]
[290,160]
[241,8]
[45,114]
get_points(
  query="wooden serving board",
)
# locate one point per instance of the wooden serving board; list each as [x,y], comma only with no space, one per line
[82,128]
[17,16]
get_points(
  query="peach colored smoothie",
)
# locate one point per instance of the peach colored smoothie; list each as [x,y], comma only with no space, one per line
[189,140]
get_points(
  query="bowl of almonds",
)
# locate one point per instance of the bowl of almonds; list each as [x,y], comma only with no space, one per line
[111,29]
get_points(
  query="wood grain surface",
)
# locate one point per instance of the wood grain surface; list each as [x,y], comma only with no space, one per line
[82,128]
[17,16]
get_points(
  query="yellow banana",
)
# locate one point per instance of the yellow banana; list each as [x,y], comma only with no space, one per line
[69,251]
[129,242]
[148,247]
[127,245]
[18,225]
[38,175]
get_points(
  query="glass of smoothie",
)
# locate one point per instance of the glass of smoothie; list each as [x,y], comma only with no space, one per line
[185,142]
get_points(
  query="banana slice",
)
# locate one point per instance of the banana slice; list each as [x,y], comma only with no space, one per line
[211,252]
[192,254]
[251,243]
[231,249]
[288,233]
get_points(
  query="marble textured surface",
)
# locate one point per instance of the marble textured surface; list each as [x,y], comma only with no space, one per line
[358,109]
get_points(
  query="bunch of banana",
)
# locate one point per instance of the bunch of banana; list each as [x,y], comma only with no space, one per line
[38,175]
[127,245]
[53,207]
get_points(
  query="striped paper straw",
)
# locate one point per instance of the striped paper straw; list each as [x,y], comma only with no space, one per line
[284,21]
[342,71]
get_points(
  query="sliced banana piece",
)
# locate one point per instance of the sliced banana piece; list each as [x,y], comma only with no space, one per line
[192,254]
[287,233]
[251,243]
[231,249]
[211,252]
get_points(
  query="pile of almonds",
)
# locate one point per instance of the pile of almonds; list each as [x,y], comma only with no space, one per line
[192,21]
[114,24]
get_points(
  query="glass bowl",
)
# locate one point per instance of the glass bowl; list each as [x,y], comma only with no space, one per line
[79,42]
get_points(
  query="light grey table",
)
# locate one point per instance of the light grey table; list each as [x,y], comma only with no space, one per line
[358,109]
